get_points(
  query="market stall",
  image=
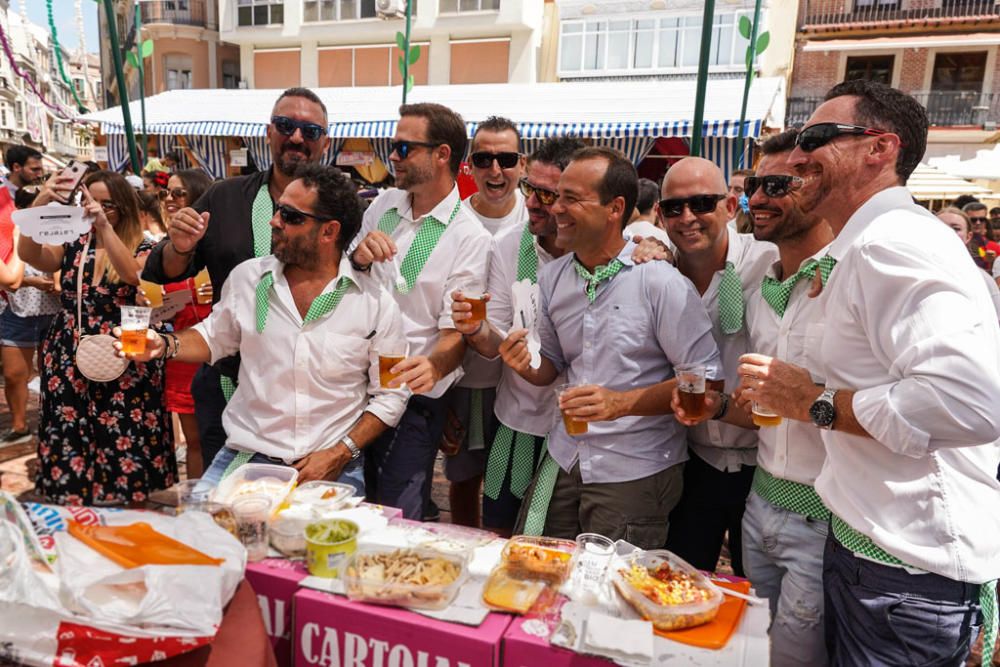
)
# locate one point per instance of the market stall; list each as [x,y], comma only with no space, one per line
[628,115]
[936,188]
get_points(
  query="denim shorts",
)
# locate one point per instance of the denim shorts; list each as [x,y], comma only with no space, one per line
[27,332]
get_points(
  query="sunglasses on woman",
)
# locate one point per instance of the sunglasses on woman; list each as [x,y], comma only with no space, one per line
[820,134]
[108,206]
[671,208]
[176,193]
[774,185]
[546,197]
[404,148]
[294,217]
[287,127]
[484,160]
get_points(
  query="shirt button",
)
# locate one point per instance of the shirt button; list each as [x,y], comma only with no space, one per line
[587,345]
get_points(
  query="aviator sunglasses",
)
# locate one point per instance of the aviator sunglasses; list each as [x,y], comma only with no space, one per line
[484,160]
[546,197]
[820,134]
[774,185]
[287,127]
[293,216]
[176,193]
[671,208]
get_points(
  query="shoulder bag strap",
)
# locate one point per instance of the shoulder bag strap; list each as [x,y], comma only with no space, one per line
[79,287]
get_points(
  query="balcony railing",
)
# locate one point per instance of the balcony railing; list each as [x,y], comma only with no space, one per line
[848,13]
[944,108]
[177,12]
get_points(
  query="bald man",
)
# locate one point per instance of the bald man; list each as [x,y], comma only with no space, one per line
[724,267]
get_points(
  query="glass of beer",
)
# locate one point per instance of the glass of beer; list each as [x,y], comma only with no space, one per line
[573,426]
[477,300]
[691,390]
[202,296]
[390,353]
[152,292]
[762,416]
[135,323]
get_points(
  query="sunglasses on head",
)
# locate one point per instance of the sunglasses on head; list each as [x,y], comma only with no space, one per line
[287,127]
[546,197]
[404,148]
[484,160]
[774,185]
[671,208]
[176,193]
[820,134]
[293,216]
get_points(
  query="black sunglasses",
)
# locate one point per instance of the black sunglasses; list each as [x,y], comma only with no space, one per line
[176,193]
[484,160]
[287,127]
[293,216]
[978,221]
[671,208]
[774,185]
[546,197]
[403,148]
[820,134]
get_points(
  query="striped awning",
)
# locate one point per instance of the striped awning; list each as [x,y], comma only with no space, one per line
[929,183]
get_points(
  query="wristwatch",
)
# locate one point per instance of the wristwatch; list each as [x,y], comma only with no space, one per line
[822,411]
[352,446]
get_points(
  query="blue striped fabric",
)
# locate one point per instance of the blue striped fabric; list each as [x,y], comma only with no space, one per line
[166,143]
[210,154]
[118,157]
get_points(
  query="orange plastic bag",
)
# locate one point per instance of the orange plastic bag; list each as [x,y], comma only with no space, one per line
[137,544]
[716,634]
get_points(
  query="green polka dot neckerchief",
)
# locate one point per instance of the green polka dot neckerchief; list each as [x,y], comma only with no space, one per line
[731,305]
[322,305]
[527,258]
[541,496]
[777,293]
[600,274]
[423,244]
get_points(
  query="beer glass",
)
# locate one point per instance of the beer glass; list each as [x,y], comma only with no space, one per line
[573,426]
[135,323]
[691,390]
[390,353]
[762,416]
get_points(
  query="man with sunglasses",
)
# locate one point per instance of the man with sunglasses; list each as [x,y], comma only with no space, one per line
[306,325]
[422,244]
[985,248]
[617,329]
[230,224]
[724,268]
[910,354]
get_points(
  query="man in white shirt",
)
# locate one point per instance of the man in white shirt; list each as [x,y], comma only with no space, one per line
[725,268]
[422,245]
[525,412]
[306,326]
[497,166]
[644,220]
[910,352]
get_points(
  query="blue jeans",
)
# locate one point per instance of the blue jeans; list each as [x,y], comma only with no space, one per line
[880,615]
[783,558]
[353,473]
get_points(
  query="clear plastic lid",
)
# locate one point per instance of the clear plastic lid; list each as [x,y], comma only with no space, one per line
[539,557]
[315,498]
[413,578]
[504,591]
[257,479]
[665,589]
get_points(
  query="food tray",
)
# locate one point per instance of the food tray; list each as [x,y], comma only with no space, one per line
[703,597]
[503,591]
[443,537]
[257,479]
[539,557]
[312,499]
[371,576]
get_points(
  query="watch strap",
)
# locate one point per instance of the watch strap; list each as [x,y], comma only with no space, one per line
[352,446]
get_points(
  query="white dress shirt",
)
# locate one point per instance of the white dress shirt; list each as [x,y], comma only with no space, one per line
[481,373]
[793,450]
[520,405]
[910,326]
[459,259]
[301,386]
[723,446]
[646,229]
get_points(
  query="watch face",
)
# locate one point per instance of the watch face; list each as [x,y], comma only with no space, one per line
[822,413]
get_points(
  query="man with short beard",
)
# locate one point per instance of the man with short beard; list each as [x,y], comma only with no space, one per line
[910,354]
[230,224]
[421,244]
[307,326]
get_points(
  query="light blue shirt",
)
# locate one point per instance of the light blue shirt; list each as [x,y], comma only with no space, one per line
[645,320]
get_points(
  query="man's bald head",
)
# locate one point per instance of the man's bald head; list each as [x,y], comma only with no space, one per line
[696,172]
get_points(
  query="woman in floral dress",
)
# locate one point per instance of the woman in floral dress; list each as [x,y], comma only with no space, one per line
[99,443]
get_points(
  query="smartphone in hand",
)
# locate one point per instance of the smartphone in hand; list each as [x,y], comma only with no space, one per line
[70,179]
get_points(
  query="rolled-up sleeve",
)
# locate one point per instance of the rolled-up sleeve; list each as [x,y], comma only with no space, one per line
[945,381]
[386,404]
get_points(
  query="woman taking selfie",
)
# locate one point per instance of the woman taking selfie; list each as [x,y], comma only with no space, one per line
[100,443]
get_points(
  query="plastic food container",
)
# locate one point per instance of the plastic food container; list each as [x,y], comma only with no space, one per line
[539,557]
[329,543]
[288,535]
[446,538]
[665,589]
[505,592]
[320,496]
[414,578]
[258,479]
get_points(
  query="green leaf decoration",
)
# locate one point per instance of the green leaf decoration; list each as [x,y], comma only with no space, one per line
[414,53]
[401,41]
[147,48]
[745,27]
[131,58]
[409,83]
[762,42]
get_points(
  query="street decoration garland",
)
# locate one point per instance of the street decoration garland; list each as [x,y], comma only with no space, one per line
[58,50]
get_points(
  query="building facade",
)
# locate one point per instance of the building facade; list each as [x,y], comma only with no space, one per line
[323,43]
[943,52]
